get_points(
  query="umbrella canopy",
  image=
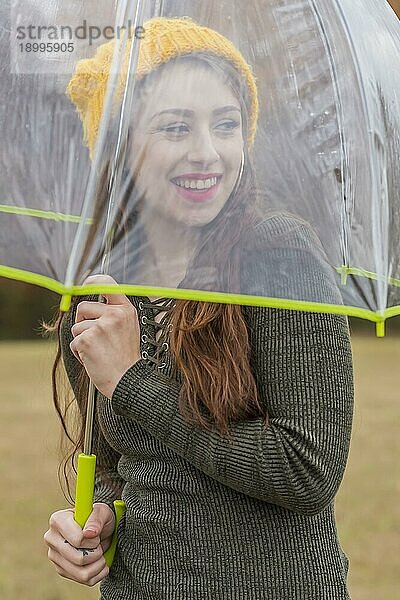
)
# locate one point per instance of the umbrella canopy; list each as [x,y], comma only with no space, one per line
[214,159]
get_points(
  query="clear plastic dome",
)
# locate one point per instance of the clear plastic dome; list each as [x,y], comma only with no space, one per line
[248,155]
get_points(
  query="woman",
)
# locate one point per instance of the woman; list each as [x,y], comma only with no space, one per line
[225,429]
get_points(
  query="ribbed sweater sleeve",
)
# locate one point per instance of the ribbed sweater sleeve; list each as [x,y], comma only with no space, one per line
[103,491]
[302,362]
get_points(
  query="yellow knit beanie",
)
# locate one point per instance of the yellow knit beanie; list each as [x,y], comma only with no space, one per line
[163,40]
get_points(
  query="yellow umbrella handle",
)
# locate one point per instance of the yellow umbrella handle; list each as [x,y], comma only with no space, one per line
[84,488]
[119,507]
[84,500]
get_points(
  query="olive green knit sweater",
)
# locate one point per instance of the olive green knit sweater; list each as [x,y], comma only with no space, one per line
[253,518]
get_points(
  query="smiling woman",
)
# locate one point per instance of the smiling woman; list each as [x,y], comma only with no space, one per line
[196,145]
[207,137]
[225,429]
[195,110]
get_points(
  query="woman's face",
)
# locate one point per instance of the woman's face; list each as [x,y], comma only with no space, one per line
[188,144]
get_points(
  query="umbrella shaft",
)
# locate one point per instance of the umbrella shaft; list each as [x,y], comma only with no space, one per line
[87,446]
[91,400]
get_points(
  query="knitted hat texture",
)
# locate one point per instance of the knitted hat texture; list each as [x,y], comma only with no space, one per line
[163,40]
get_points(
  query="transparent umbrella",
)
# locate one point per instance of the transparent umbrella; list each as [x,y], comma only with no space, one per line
[214,163]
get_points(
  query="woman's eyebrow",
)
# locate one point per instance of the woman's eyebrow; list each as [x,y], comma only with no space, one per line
[228,108]
[184,112]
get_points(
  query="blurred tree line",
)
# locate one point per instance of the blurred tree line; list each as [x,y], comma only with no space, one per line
[395,4]
[23,307]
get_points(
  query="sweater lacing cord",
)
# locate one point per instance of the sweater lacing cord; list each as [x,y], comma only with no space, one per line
[160,345]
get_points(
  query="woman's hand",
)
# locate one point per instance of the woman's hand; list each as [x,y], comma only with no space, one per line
[106,337]
[78,554]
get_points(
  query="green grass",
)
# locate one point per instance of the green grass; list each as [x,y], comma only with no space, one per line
[367,506]
[28,464]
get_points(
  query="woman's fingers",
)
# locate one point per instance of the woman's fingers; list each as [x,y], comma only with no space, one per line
[87,574]
[78,556]
[79,328]
[108,298]
[89,310]
[63,524]
[98,279]
[101,521]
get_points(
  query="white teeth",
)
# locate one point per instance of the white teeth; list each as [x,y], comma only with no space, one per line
[197,184]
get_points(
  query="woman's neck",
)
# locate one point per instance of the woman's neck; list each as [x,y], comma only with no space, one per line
[170,247]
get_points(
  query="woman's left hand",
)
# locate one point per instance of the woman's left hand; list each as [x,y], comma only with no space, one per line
[106,337]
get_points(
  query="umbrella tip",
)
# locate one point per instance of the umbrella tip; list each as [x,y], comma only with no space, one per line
[344,272]
[65,302]
[380,329]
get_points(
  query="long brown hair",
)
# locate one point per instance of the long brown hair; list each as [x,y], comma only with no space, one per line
[209,342]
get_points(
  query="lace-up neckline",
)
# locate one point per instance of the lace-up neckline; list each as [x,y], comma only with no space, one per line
[154,334]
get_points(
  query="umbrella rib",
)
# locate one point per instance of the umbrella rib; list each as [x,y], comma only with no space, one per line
[42,214]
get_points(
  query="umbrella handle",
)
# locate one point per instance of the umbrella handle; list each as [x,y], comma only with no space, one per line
[119,507]
[84,488]
[84,500]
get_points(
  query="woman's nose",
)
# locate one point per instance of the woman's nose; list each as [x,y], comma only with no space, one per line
[202,149]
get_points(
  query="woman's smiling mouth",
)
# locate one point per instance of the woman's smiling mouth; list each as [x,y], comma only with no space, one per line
[197,187]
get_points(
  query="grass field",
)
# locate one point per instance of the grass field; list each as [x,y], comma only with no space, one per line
[368,507]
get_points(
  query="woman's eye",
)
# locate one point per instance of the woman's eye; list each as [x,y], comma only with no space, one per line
[227,125]
[176,129]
